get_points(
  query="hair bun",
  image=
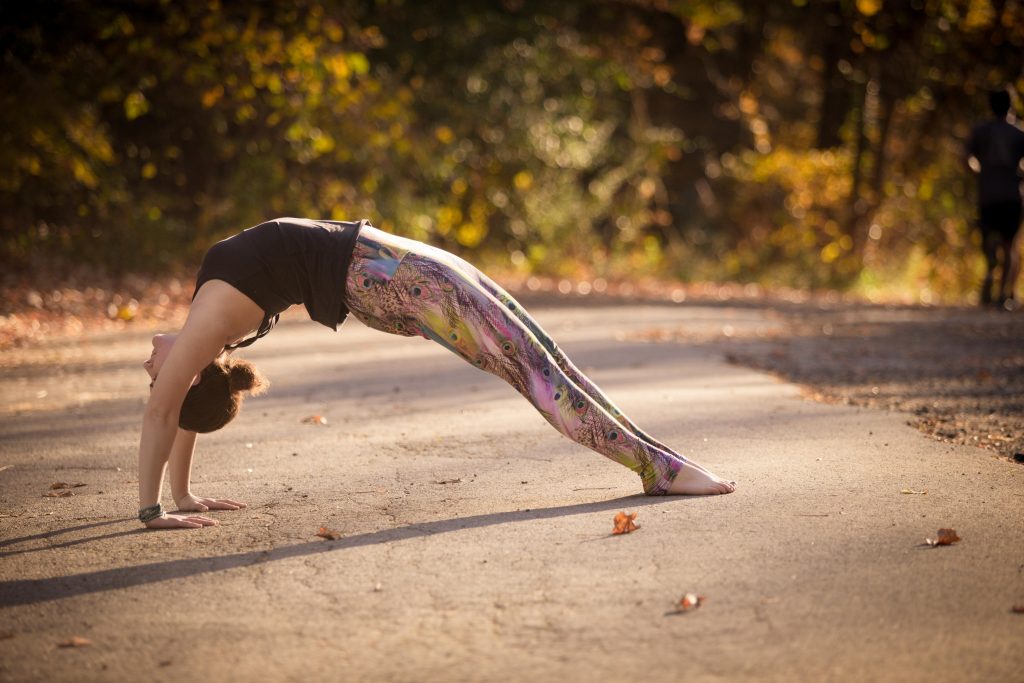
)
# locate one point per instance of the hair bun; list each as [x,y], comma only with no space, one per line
[243,376]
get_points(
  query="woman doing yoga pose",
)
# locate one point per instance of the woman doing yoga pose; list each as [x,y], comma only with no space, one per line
[391,284]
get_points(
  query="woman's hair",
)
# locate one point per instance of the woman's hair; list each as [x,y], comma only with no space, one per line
[215,401]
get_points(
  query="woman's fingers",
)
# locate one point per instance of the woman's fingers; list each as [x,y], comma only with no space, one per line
[181,522]
[223,504]
[202,521]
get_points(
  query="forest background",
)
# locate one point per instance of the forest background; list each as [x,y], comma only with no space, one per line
[801,143]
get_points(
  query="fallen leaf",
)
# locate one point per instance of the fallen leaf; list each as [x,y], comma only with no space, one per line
[64,485]
[315,420]
[449,481]
[914,492]
[624,523]
[1016,609]
[944,537]
[75,641]
[690,601]
[329,534]
[58,494]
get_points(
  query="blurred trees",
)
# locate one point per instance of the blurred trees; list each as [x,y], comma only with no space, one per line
[807,143]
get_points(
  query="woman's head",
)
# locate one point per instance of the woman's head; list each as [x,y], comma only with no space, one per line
[217,398]
[216,393]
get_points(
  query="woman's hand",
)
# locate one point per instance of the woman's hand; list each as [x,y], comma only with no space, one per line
[191,503]
[172,521]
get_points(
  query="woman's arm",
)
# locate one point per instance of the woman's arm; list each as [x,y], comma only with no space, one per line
[193,350]
[181,478]
[180,464]
[219,315]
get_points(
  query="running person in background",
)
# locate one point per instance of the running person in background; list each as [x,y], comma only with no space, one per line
[391,284]
[994,153]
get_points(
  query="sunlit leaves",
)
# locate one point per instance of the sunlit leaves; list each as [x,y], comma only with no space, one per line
[135,105]
[567,136]
[869,7]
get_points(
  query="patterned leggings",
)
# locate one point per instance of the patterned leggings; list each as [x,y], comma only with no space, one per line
[405,287]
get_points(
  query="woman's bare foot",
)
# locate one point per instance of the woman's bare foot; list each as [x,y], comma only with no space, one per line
[695,480]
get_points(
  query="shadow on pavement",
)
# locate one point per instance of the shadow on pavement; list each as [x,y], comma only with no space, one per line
[51,534]
[33,591]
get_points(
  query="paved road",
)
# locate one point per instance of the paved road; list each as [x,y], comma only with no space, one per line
[475,539]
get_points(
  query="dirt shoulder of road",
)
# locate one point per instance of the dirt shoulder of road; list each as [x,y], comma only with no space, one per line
[957,373]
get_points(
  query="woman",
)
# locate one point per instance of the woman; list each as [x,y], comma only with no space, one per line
[392,284]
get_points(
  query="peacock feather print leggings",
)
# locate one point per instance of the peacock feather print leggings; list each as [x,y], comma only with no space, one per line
[408,288]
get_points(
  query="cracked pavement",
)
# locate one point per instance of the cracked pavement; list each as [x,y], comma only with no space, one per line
[475,539]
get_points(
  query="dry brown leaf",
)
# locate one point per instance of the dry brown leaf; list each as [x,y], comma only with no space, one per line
[75,641]
[58,494]
[690,601]
[329,534]
[943,537]
[914,492]
[64,485]
[314,420]
[624,523]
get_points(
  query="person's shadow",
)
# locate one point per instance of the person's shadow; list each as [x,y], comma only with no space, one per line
[32,591]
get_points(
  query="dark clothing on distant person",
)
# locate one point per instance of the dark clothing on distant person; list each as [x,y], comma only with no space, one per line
[1000,218]
[998,146]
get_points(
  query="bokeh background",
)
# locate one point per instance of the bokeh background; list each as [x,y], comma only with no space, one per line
[800,143]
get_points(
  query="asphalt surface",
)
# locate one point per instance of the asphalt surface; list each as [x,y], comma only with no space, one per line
[475,540]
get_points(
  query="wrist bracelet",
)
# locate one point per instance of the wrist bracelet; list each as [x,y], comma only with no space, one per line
[148,514]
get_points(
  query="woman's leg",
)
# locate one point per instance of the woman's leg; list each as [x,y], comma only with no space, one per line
[406,288]
[566,365]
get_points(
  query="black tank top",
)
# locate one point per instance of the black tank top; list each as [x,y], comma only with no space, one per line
[284,262]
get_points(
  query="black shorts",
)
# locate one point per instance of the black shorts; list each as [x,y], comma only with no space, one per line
[1001,218]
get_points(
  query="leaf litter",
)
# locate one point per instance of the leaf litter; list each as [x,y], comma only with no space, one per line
[943,537]
[624,523]
[75,641]
[329,534]
[689,602]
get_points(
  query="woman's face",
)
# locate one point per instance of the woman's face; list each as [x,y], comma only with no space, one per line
[162,344]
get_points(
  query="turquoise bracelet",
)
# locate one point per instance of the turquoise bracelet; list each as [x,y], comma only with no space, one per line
[148,514]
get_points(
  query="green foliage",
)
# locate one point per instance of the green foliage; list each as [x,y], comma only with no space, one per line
[803,143]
